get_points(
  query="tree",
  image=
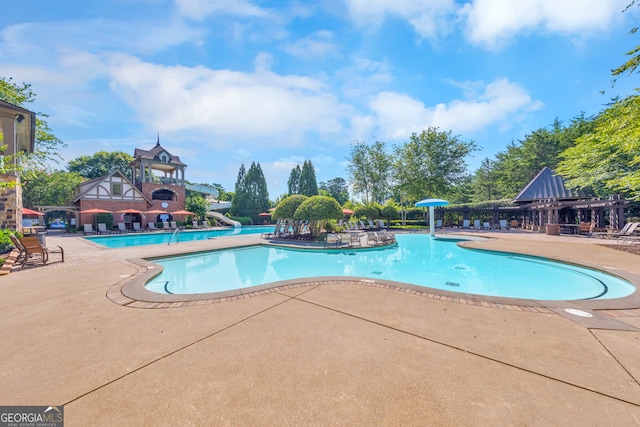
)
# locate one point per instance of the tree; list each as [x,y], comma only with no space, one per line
[197,204]
[46,143]
[316,209]
[607,160]
[336,188]
[368,211]
[430,164]
[286,209]
[101,164]
[251,196]
[308,182]
[370,169]
[42,187]
[294,180]
[632,64]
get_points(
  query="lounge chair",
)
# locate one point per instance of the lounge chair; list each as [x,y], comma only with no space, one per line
[205,224]
[166,226]
[373,239]
[331,240]
[514,224]
[346,239]
[585,228]
[503,224]
[137,228]
[102,228]
[32,247]
[381,224]
[88,229]
[195,224]
[122,228]
[613,234]
[465,223]
[438,223]
[173,225]
[152,226]
[22,253]
[476,224]
[386,238]
[628,236]
[486,225]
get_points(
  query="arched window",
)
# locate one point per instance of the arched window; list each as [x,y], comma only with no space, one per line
[163,194]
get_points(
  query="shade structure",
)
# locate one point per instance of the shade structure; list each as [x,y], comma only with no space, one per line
[129,211]
[347,212]
[264,214]
[431,204]
[29,212]
[182,212]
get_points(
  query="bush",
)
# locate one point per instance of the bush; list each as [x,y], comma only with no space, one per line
[244,220]
[368,211]
[5,242]
[286,209]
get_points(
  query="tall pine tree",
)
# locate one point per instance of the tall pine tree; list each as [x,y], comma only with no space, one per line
[251,195]
[308,182]
[294,180]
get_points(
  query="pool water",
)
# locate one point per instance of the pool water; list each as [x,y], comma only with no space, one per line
[141,239]
[417,259]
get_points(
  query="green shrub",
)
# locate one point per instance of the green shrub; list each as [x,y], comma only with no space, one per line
[5,242]
[244,220]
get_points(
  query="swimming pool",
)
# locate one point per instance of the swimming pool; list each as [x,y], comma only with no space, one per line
[141,239]
[417,259]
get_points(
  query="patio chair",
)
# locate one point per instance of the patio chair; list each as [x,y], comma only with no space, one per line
[585,228]
[152,226]
[372,226]
[88,229]
[373,239]
[33,247]
[173,225]
[331,240]
[137,228]
[21,251]
[628,236]
[386,238]
[166,226]
[205,223]
[195,224]
[486,225]
[514,224]
[613,234]
[465,223]
[381,224]
[438,223]
[102,228]
[346,239]
[503,224]
[476,224]
[122,228]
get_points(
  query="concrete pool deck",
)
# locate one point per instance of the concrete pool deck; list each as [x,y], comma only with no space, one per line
[322,353]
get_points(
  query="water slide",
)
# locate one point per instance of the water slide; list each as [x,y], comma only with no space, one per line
[224,219]
[202,189]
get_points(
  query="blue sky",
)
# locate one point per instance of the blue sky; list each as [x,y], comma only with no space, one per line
[277,82]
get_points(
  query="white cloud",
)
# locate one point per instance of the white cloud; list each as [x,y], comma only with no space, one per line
[398,115]
[492,23]
[428,18]
[316,46]
[252,106]
[200,9]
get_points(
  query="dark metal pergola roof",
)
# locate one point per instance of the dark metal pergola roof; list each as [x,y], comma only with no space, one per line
[545,186]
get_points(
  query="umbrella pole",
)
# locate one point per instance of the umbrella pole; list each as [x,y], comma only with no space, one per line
[432,231]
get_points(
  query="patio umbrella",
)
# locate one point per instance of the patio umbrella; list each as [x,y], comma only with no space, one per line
[265,214]
[29,212]
[95,211]
[347,212]
[129,211]
[156,212]
[182,212]
[431,203]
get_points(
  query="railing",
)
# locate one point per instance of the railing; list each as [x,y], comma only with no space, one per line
[175,234]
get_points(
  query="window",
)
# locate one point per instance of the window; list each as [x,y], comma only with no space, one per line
[116,189]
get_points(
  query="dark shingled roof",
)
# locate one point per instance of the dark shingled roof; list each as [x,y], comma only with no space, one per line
[153,154]
[547,185]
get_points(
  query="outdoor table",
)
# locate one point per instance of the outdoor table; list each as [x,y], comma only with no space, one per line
[569,228]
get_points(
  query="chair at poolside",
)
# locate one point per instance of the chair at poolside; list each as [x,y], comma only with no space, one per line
[152,226]
[166,226]
[173,225]
[102,228]
[628,236]
[362,226]
[195,224]
[503,224]
[385,238]
[372,225]
[486,225]
[381,224]
[373,239]
[88,229]
[585,228]
[346,239]
[331,240]
[137,228]
[514,224]
[122,228]
[33,247]
[476,224]
[438,223]
[613,234]
[465,223]
[22,253]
